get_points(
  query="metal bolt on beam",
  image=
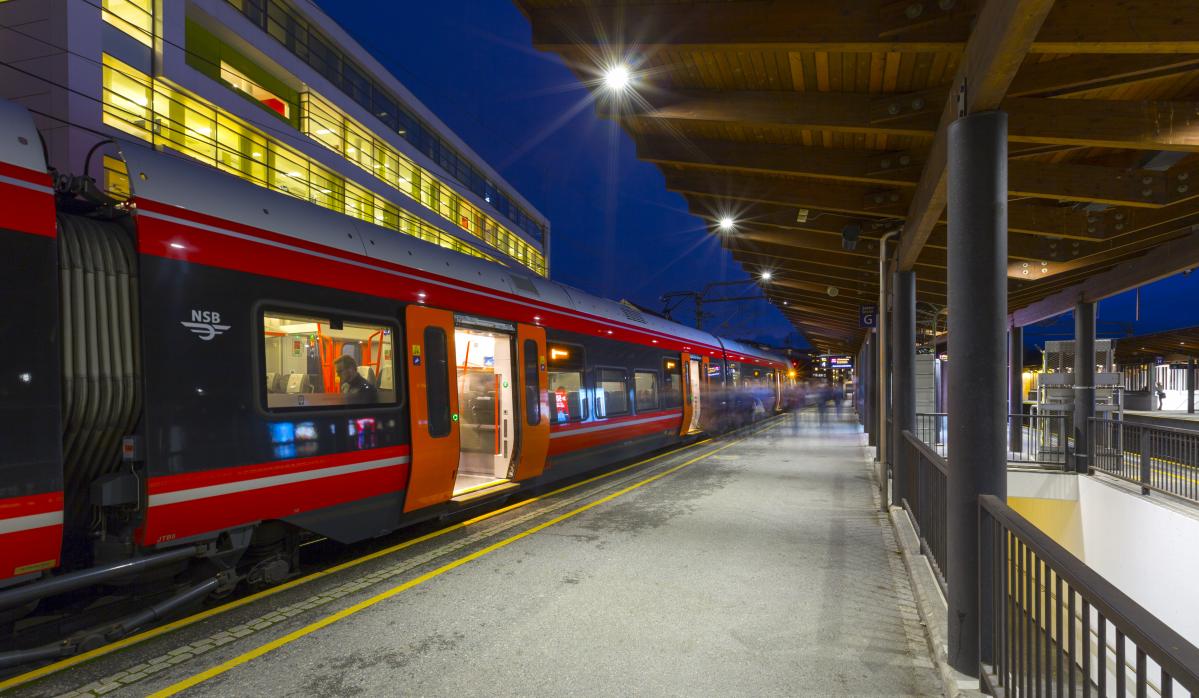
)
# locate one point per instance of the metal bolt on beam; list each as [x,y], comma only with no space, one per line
[913,10]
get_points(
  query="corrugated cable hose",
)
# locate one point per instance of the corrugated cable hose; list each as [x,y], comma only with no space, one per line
[101,359]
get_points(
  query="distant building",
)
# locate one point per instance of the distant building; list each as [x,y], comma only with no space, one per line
[272,91]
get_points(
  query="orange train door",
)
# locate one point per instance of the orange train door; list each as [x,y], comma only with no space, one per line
[685,383]
[533,374]
[433,404]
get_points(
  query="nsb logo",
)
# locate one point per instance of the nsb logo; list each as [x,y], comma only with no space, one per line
[205,324]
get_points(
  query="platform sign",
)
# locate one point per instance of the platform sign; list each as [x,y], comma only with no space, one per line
[868,316]
[837,362]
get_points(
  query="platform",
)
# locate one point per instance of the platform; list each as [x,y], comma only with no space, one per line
[1177,419]
[751,566]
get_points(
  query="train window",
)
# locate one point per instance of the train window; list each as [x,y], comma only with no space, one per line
[612,392]
[532,384]
[645,388]
[672,385]
[437,381]
[313,362]
[566,382]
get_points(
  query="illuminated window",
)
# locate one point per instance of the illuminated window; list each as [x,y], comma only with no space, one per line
[268,99]
[116,177]
[327,125]
[134,17]
[160,113]
[567,394]
[313,362]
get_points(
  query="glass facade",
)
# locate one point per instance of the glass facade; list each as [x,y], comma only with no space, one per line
[312,47]
[327,125]
[158,112]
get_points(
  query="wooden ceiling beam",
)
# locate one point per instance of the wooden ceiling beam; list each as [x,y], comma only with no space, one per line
[1002,37]
[1158,125]
[1089,72]
[1068,182]
[1074,26]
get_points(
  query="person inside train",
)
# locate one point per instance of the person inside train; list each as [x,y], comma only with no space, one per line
[353,385]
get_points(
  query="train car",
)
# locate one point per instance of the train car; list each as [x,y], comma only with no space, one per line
[199,376]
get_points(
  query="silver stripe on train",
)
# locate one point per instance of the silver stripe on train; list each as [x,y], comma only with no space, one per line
[26,185]
[30,522]
[616,425]
[271,481]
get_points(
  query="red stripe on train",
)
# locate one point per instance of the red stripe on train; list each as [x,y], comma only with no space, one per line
[240,473]
[30,504]
[27,210]
[184,242]
[567,442]
[33,550]
[167,522]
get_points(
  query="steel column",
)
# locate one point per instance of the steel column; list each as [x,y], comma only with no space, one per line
[871,384]
[1015,403]
[903,387]
[977,205]
[1084,382]
[1191,385]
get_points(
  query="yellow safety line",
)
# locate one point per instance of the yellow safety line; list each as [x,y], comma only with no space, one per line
[75,660]
[383,596]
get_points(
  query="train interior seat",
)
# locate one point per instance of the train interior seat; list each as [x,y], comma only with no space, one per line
[298,383]
[272,382]
[368,372]
[385,379]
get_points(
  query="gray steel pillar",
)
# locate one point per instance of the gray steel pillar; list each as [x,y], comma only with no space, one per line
[903,387]
[1191,385]
[1084,382]
[977,369]
[871,378]
[1015,401]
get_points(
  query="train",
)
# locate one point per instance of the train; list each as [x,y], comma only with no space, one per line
[200,376]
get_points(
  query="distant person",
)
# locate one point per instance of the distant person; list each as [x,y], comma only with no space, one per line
[353,385]
[1161,395]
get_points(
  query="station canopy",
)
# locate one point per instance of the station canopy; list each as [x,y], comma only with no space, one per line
[801,123]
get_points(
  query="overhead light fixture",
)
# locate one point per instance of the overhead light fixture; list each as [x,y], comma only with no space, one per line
[617,78]
[849,236]
[727,224]
[766,276]
[801,216]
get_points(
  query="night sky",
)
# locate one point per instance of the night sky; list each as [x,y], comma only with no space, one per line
[616,231]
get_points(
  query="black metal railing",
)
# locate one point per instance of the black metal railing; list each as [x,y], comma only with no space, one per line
[1060,629]
[925,498]
[932,429]
[1044,438]
[1161,459]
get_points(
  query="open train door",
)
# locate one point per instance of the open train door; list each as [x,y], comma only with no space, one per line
[433,406]
[685,373]
[534,402]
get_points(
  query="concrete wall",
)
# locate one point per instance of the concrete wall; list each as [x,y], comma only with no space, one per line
[1148,547]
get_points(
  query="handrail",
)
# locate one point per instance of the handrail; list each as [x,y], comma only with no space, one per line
[935,458]
[1172,652]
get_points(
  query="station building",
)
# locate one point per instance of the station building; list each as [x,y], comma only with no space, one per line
[272,91]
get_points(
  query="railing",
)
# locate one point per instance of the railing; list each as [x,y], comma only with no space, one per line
[925,498]
[1159,459]
[932,429]
[1044,439]
[1060,629]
